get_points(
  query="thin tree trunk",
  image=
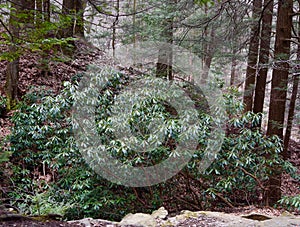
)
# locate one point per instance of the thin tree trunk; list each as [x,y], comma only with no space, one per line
[79,22]
[39,12]
[46,10]
[134,21]
[209,53]
[252,57]
[279,89]
[263,57]
[68,9]
[164,63]
[291,115]
[233,72]
[116,21]
[233,67]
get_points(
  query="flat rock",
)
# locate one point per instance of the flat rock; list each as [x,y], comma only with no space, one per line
[139,219]
[159,218]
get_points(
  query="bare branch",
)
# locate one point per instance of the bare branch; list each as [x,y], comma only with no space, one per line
[6,28]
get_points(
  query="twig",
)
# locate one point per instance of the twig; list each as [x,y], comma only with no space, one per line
[224,200]
[188,203]
[254,177]
[6,28]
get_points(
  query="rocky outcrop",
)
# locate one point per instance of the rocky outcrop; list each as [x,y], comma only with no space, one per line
[200,218]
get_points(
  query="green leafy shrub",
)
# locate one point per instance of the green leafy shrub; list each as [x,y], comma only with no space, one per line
[246,161]
[49,167]
[2,105]
[291,202]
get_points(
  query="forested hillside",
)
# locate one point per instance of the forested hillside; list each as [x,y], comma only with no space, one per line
[116,107]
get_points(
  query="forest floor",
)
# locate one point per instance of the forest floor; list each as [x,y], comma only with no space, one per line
[30,81]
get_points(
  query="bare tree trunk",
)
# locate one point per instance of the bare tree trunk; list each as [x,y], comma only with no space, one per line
[116,21]
[252,57]
[134,20]
[291,115]
[12,70]
[263,56]
[79,22]
[233,68]
[164,63]
[46,10]
[39,12]
[68,9]
[209,49]
[11,85]
[292,103]
[279,88]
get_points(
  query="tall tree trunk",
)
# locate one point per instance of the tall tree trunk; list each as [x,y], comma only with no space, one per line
[164,63]
[252,57]
[233,66]
[39,12]
[68,9]
[79,19]
[263,56]
[291,114]
[292,102]
[115,23]
[42,16]
[12,70]
[209,49]
[279,88]
[134,21]
[46,10]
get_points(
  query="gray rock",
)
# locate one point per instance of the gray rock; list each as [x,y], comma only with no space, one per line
[89,222]
[281,222]
[138,219]
[161,213]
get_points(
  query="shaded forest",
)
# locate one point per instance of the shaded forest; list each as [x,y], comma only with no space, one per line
[214,101]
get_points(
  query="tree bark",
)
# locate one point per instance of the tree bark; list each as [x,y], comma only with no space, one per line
[115,23]
[292,103]
[79,22]
[39,12]
[164,63]
[68,9]
[46,10]
[263,56]
[12,69]
[209,49]
[281,70]
[252,57]
[279,88]
[291,115]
